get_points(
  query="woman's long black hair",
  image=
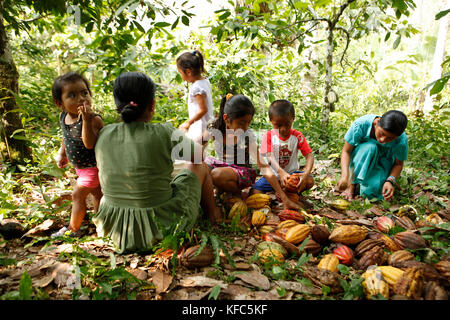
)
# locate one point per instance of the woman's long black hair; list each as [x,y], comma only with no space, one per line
[235,107]
[394,121]
[133,93]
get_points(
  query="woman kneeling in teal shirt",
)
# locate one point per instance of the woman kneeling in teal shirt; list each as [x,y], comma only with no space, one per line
[373,154]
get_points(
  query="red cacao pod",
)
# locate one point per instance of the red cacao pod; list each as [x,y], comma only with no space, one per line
[384,224]
[288,214]
[344,254]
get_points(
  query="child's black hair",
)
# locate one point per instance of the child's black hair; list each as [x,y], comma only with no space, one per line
[133,92]
[281,108]
[62,80]
[394,121]
[191,60]
[235,107]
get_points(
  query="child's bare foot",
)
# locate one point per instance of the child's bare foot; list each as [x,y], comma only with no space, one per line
[215,216]
[349,193]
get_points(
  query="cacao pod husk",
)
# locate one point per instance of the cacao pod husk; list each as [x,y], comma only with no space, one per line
[408,211]
[288,214]
[374,256]
[320,234]
[297,233]
[348,234]
[344,254]
[258,218]
[443,267]
[292,183]
[323,277]
[411,283]
[391,274]
[287,245]
[400,255]
[433,291]
[271,245]
[429,272]
[312,247]
[366,245]
[287,224]
[374,284]
[409,240]
[340,204]
[405,223]
[190,260]
[434,218]
[389,244]
[329,262]
[270,255]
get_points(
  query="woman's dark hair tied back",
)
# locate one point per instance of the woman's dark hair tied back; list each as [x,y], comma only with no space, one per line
[133,93]
[235,107]
[394,121]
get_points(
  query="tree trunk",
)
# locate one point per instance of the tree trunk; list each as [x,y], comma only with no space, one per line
[13,150]
[438,58]
[328,106]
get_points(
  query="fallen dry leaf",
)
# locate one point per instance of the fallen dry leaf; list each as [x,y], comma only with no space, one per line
[255,279]
[161,280]
[201,281]
[298,287]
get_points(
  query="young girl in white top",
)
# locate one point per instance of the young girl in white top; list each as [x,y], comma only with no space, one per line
[191,68]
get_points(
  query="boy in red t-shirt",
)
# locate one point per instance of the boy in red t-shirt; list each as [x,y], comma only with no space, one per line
[280,147]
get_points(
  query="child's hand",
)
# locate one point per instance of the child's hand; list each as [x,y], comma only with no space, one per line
[342,184]
[388,191]
[288,203]
[301,182]
[61,160]
[284,178]
[185,126]
[86,111]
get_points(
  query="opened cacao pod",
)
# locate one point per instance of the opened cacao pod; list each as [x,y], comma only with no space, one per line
[288,214]
[329,262]
[400,255]
[320,234]
[292,182]
[405,223]
[366,245]
[411,283]
[344,254]
[409,240]
[434,218]
[297,233]
[258,218]
[408,211]
[374,284]
[391,274]
[190,258]
[348,234]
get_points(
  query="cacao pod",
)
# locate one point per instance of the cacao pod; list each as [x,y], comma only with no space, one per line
[374,284]
[408,211]
[409,240]
[287,224]
[434,218]
[230,200]
[389,244]
[366,245]
[340,204]
[245,222]
[374,256]
[411,283]
[323,277]
[429,272]
[320,234]
[282,232]
[312,247]
[190,259]
[443,267]
[384,224]
[270,255]
[433,291]
[238,208]
[297,233]
[292,183]
[405,223]
[265,229]
[257,200]
[287,245]
[391,274]
[292,196]
[288,214]
[401,255]
[269,245]
[329,262]
[344,254]
[258,218]
[348,234]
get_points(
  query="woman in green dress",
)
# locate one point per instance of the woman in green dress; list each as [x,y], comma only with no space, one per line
[135,161]
[373,154]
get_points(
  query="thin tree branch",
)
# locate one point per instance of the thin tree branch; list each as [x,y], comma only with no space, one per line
[26,21]
[346,45]
[340,12]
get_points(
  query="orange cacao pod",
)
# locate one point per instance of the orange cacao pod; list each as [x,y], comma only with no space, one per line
[320,234]
[282,232]
[400,255]
[366,245]
[287,224]
[292,183]
[258,218]
[297,233]
[344,254]
[329,262]
[405,223]
[411,283]
[288,214]
[409,240]
[190,258]
[348,234]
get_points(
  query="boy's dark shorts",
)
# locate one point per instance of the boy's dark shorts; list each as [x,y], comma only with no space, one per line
[263,185]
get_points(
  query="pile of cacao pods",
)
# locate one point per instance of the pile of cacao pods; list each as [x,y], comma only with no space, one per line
[386,263]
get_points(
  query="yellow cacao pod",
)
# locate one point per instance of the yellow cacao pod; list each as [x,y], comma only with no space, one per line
[258,218]
[265,229]
[340,204]
[329,262]
[391,274]
[287,224]
[258,200]
[348,234]
[269,255]
[238,208]
[297,234]
[389,243]
[374,283]
[434,218]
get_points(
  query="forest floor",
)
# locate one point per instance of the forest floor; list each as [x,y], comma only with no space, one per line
[34,266]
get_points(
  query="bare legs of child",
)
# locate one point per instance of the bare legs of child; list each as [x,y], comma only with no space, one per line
[225,179]
[208,202]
